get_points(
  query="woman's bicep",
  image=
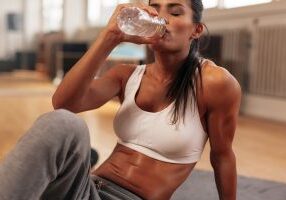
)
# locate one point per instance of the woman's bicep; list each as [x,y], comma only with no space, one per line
[106,87]
[223,97]
[221,127]
[100,91]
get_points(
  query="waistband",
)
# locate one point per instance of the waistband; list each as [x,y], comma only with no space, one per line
[110,190]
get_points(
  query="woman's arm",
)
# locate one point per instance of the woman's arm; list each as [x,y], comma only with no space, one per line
[74,90]
[223,95]
[79,91]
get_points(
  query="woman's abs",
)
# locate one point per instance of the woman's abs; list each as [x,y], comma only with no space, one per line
[148,178]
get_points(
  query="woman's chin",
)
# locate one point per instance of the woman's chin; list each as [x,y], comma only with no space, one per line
[163,44]
[161,47]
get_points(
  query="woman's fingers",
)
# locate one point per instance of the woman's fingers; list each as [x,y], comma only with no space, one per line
[112,26]
[148,9]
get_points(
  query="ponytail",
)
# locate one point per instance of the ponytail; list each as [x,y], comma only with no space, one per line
[185,82]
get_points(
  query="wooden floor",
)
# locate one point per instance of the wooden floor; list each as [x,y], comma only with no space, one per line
[260,145]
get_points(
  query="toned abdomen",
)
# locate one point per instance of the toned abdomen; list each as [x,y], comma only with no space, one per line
[149,178]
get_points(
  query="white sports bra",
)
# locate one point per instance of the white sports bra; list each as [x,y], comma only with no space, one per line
[152,134]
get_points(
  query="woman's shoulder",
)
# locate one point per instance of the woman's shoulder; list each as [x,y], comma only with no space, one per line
[124,72]
[121,72]
[219,85]
[124,69]
[214,75]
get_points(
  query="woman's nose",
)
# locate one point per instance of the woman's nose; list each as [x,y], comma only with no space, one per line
[163,14]
[164,17]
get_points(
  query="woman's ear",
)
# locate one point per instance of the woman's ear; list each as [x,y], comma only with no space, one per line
[198,31]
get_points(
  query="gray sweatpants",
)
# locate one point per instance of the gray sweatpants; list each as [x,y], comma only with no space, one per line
[51,161]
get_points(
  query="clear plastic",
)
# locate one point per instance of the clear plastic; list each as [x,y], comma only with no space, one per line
[135,21]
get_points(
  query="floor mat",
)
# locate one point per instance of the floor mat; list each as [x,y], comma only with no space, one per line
[201,186]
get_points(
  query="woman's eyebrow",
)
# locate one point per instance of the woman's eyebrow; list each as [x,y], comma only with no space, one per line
[170,5]
[155,5]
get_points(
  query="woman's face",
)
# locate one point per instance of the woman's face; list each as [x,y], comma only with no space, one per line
[180,26]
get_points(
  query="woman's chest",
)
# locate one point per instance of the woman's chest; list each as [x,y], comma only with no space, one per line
[152,97]
[155,130]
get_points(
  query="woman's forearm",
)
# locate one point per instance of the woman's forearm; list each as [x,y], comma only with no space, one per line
[225,175]
[76,82]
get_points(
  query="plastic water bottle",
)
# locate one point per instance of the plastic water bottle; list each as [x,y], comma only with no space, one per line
[135,21]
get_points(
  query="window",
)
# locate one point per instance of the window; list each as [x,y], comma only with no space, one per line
[94,7]
[109,3]
[52,15]
[232,3]
[100,11]
[240,3]
[210,3]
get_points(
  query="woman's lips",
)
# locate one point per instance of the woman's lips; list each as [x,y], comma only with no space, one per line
[167,34]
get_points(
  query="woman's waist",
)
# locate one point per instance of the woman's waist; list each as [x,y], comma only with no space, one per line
[105,187]
[141,174]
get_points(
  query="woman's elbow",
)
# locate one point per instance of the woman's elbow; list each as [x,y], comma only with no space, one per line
[221,156]
[58,103]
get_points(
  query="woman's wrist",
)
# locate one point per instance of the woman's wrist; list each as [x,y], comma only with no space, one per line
[111,38]
[103,45]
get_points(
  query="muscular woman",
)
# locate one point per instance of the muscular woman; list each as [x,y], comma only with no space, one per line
[169,109]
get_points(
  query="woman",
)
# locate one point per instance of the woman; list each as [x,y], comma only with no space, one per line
[169,110]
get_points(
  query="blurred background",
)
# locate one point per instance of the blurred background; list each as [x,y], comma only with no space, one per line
[42,39]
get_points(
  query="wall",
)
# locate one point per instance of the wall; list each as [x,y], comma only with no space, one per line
[25,38]
[33,22]
[74,16]
[264,14]
[250,18]
[75,25]
[9,41]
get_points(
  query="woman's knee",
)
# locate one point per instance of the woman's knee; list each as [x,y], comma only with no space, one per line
[61,124]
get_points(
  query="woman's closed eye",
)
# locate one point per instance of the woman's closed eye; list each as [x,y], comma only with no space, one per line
[176,12]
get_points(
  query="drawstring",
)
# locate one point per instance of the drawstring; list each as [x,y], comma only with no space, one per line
[99,184]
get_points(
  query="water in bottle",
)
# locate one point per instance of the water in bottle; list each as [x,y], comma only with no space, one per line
[135,21]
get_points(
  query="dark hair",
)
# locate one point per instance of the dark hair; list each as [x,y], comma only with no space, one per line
[185,80]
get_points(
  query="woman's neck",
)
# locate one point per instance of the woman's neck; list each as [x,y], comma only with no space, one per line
[166,65]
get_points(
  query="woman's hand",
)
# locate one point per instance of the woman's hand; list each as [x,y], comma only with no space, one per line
[113,30]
